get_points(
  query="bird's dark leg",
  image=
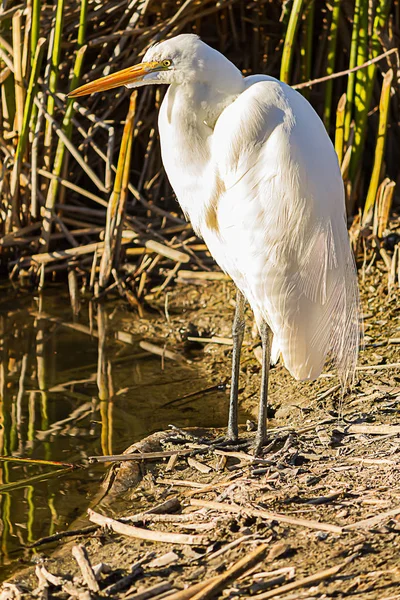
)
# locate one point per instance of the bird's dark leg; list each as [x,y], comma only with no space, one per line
[237,336]
[266,339]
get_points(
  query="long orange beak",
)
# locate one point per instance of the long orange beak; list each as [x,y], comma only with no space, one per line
[129,75]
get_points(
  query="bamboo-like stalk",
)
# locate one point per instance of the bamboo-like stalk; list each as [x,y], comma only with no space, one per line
[306,46]
[352,76]
[339,131]
[122,204]
[54,68]
[118,196]
[330,61]
[360,109]
[35,33]
[102,325]
[288,48]
[23,137]
[365,79]
[35,27]
[18,79]
[380,146]
[60,154]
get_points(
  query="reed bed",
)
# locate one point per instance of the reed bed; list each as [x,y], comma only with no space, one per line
[83,191]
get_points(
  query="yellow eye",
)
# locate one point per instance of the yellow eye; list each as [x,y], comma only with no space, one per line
[166,63]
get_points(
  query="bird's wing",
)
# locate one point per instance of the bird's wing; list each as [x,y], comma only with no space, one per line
[276,223]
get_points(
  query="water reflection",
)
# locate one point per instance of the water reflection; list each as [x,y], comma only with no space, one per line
[70,389]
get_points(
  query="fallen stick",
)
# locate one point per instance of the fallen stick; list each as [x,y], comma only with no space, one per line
[371,521]
[378,367]
[374,429]
[295,585]
[151,592]
[212,340]
[136,570]
[168,252]
[48,257]
[145,534]
[139,456]
[163,352]
[239,568]
[271,516]
[191,591]
[203,275]
[81,557]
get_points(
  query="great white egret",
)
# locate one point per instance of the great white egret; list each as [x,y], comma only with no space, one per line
[257,175]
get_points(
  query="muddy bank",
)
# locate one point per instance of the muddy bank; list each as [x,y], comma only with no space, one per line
[324,498]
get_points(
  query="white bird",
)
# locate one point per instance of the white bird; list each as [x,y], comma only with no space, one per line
[257,175]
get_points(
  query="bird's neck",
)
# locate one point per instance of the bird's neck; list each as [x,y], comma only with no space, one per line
[186,122]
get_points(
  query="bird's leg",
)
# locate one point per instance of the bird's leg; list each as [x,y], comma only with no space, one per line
[266,339]
[237,336]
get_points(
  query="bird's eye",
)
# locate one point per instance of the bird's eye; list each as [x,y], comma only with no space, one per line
[166,63]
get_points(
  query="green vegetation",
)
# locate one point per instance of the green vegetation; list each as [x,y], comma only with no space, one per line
[63,162]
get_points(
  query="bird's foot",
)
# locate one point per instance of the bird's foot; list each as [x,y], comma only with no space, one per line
[181,436]
[228,443]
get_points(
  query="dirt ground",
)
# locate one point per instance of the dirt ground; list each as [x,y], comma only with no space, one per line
[316,516]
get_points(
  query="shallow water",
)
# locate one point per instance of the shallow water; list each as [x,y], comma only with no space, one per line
[70,389]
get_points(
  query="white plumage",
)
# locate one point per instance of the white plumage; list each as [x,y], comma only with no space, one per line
[257,175]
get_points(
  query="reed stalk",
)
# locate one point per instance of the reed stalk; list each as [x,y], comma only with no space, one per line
[102,326]
[330,61]
[61,159]
[23,136]
[365,78]
[288,48]
[118,196]
[26,44]
[35,33]
[54,68]
[35,27]
[339,130]
[306,46]
[60,154]
[18,79]
[380,146]
[352,76]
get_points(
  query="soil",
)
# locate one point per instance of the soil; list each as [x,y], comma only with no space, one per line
[324,497]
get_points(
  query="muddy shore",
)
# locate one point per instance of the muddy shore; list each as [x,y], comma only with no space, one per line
[316,516]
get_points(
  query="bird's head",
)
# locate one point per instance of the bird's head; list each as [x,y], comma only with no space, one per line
[182,59]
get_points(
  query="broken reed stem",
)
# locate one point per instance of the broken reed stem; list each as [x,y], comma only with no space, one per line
[380,146]
[288,48]
[118,197]
[384,206]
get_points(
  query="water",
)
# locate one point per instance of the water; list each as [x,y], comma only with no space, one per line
[70,389]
